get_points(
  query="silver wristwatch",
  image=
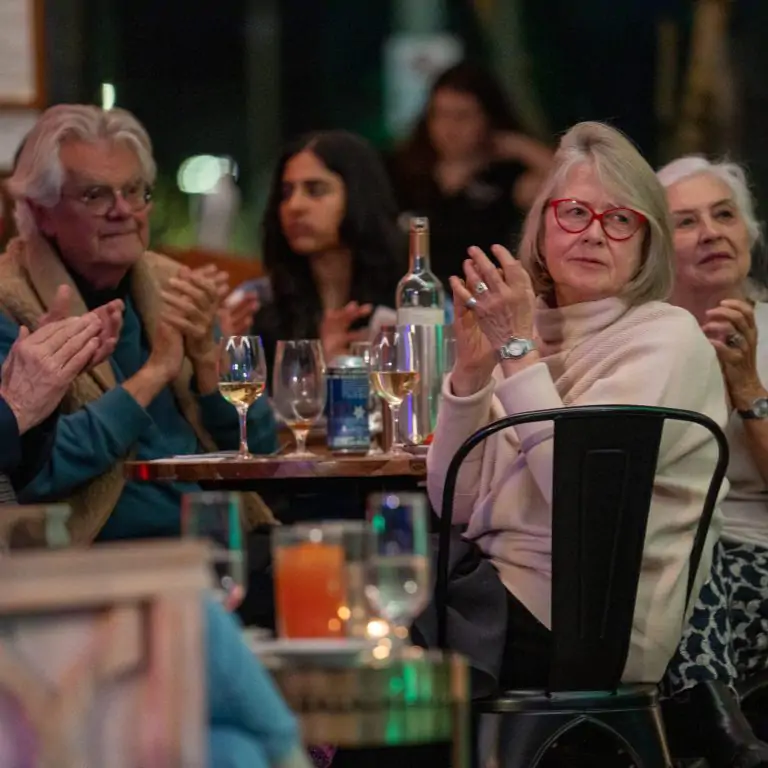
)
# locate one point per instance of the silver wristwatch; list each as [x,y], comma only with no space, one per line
[758,409]
[515,348]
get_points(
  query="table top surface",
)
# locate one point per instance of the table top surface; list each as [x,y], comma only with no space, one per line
[322,465]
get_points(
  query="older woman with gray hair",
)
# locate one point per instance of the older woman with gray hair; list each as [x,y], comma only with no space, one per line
[721,282]
[581,319]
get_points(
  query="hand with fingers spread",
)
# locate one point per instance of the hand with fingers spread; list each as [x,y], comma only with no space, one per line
[502,300]
[41,365]
[191,302]
[237,319]
[335,333]
[731,329]
[475,357]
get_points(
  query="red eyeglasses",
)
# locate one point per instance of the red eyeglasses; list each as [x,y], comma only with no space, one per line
[574,216]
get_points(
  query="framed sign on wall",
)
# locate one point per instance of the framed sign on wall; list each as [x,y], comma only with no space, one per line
[22,54]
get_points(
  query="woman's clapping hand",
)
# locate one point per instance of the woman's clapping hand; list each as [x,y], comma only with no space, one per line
[487,317]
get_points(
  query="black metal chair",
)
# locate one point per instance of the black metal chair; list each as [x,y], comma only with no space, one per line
[605,461]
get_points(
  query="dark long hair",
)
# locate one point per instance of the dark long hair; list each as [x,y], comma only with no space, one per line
[415,160]
[369,229]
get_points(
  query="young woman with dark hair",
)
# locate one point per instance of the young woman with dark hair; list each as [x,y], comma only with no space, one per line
[468,167]
[332,248]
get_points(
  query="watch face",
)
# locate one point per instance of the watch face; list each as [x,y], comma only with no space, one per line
[760,407]
[517,349]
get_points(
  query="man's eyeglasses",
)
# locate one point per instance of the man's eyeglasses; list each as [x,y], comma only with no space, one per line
[618,223]
[100,200]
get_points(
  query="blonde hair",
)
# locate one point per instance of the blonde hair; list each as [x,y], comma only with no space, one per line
[626,175]
[38,174]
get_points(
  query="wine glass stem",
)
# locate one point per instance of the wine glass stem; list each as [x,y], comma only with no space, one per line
[300,436]
[397,445]
[243,416]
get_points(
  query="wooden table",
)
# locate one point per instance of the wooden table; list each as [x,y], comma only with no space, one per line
[327,466]
[329,486]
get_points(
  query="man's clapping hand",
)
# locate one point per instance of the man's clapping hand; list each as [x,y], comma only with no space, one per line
[111,316]
[41,366]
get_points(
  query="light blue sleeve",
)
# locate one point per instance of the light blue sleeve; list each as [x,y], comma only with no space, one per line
[87,443]
[242,696]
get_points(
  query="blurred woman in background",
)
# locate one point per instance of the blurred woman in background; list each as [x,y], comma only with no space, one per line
[468,168]
[332,249]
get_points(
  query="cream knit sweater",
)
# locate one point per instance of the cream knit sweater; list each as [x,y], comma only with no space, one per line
[593,353]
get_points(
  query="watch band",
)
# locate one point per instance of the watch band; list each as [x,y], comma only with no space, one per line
[515,348]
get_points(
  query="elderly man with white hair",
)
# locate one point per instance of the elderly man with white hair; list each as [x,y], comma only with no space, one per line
[83,189]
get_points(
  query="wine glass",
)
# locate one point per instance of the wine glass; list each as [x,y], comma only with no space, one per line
[398,581]
[299,388]
[394,372]
[216,516]
[242,379]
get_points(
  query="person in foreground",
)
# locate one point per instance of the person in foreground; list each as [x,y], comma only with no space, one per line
[251,726]
[82,186]
[585,306]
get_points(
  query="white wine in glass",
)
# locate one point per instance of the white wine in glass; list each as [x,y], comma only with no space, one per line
[394,372]
[242,379]
[299,388]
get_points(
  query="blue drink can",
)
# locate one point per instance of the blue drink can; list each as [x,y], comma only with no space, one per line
[348,430]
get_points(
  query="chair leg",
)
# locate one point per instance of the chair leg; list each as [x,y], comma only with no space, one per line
[642,730]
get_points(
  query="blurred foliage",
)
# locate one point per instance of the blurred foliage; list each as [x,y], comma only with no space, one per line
[173,224]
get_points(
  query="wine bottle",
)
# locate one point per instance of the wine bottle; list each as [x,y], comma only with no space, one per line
[420,298]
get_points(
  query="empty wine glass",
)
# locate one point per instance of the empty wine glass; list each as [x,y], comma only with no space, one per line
[394,372]
[242,379]
[299,388]
[398,582]
[216,516]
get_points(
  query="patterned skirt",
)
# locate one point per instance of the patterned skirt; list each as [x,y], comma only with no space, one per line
[747,573]
[706,650]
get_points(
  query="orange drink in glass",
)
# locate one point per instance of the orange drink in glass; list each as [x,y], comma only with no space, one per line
[309,570]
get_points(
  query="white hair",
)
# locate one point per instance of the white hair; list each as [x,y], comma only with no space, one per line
[624,172]
[732,174]
[38,174]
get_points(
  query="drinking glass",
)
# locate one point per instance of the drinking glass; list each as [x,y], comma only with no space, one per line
[242,379]
[309,570]
[394,372]
[299,388]
[216,516]
[398,582]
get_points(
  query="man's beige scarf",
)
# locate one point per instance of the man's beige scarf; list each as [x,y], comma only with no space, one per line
[30,274]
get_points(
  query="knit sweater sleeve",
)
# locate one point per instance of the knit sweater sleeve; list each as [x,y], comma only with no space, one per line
[668,364]
[458,418]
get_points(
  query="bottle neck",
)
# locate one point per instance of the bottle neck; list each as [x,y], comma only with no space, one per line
[419,252]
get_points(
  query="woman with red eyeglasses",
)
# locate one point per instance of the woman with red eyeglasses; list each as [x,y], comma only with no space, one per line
[581,319]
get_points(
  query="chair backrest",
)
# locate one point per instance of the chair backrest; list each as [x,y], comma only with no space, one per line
[605,461]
